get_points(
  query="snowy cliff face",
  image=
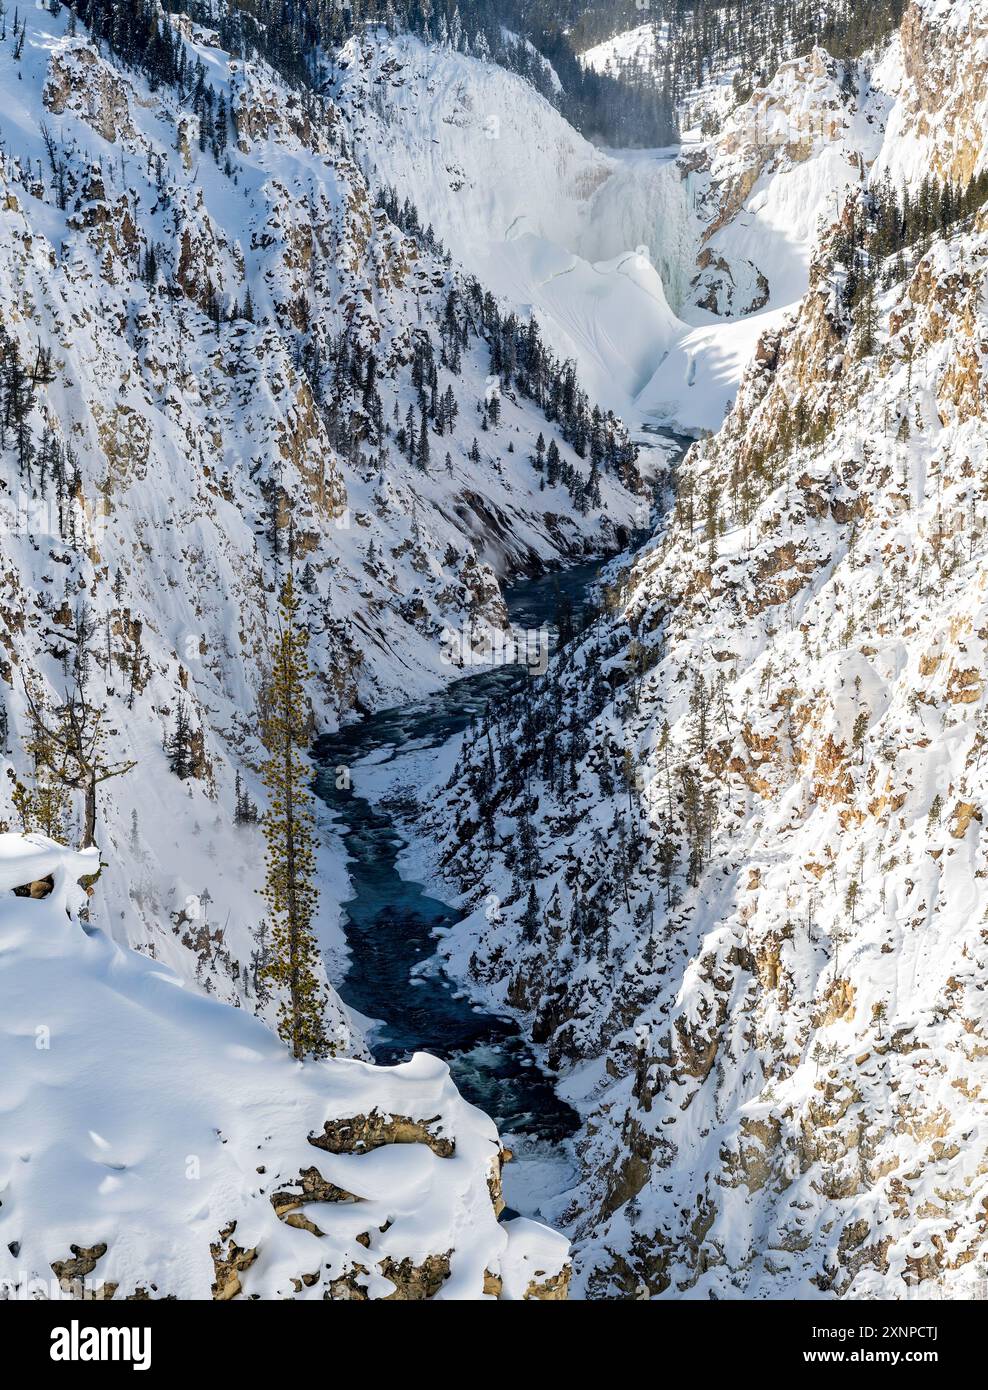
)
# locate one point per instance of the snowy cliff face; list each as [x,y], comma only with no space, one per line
[755,192]
[204,1162]
[938,68]
[758,195]
[626,257]
[751,802]
[784,161]
[487,155]
[231,344]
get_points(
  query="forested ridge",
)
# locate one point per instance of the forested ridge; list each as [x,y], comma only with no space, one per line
[634,106]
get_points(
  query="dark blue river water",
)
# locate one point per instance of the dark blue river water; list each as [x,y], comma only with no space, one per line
[391,920]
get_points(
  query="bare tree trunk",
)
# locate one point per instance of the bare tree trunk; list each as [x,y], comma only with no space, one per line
[89,826]
[292,905]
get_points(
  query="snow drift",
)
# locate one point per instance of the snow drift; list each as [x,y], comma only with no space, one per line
[158,1143]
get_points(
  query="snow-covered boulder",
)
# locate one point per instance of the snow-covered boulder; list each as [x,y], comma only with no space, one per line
[26,860]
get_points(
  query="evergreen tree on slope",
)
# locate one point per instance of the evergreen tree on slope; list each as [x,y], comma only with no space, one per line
[290,889]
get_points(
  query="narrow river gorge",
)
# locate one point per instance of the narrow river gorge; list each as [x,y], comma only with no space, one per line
[391,921]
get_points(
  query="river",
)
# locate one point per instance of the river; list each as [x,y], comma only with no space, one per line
[391,921]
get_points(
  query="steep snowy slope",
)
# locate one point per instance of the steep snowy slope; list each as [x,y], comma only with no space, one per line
[202,1161]
[736,836]
[434,112]
[936,70]
[218,353]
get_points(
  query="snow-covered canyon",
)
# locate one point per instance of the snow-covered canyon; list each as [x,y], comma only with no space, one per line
[221,356]
[629,259]
[735,837]
[720,866]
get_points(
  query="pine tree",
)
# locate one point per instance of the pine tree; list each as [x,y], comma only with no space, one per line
[529,859]
[553,464]
[531,918]
[179,746]
[244,810]
[422,448]
[69,747]
[290,890]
